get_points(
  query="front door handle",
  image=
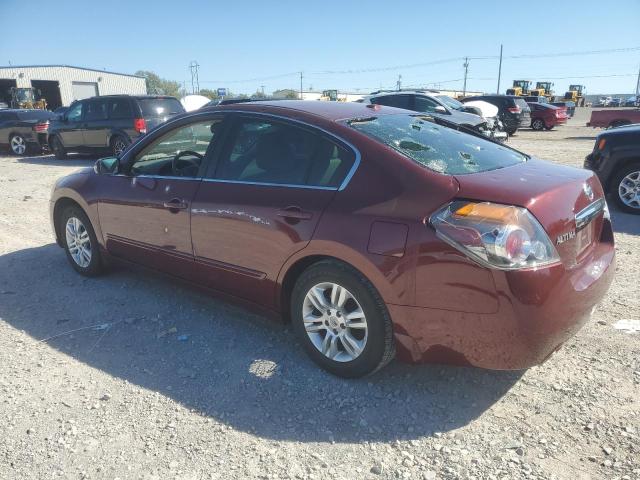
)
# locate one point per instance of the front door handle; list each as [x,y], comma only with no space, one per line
[294,212]
[175,204]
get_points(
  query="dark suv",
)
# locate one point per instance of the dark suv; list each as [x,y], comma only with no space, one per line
[512,110]
[109,123]
[616,160]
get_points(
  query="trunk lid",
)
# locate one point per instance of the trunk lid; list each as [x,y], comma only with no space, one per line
[568,202]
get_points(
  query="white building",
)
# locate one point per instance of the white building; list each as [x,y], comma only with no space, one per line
[62,84]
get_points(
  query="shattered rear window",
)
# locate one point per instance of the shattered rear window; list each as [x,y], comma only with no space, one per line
[438,148]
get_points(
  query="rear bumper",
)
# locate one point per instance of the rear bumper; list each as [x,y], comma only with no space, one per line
[538,311]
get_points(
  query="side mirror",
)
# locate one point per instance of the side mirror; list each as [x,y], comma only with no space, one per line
[441,109]
[107,165]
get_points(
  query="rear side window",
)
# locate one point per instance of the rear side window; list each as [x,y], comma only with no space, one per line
[160,107]
[119,108]
[96,110]
[438,148]
[277,153]
[398,101]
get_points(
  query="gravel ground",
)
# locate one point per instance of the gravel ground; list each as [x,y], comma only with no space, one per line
[135,376]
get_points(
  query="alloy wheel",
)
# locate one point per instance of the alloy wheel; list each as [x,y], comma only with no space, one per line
[119,147]
[629,190]
[335,322]
[18,145]
[78,242]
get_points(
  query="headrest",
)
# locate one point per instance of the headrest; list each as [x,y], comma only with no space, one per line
[274,153]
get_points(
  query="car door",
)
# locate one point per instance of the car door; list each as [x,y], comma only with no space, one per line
[261,202]
[399,101]
[95,124]
[145,210]
[71,127]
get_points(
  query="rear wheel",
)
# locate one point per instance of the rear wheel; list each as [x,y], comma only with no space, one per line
[341,320]
[58,149]
[549,128]
[80,242]
[18,144]
[538,124]
[118,145]
[626,188]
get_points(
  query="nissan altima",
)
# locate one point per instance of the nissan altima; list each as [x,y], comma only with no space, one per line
[375,231]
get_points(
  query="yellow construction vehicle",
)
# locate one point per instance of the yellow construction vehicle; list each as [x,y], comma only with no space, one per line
[520,88]
[331,96]
[543,89]
[575,94]
[26,98]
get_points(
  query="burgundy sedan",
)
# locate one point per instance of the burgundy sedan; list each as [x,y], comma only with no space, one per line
[546,116]
[374,230]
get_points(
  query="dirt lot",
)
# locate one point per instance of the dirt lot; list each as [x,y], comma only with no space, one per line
[135,376]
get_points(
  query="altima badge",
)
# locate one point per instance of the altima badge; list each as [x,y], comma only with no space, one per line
[565,236]
[588,191]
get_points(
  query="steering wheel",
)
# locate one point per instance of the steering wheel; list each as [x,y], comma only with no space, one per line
[191,163]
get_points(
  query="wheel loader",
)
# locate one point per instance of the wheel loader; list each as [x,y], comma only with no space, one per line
[520,88]
[575,94]
[26,98]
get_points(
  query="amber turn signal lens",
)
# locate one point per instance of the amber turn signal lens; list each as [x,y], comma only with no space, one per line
[487,211]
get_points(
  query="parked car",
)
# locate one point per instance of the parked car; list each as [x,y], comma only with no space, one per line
[613,118]
[570,106]
[536,99]
[616,160]
[604,101]
[615,102]
[425,102]
[632,102]
[109,123]
[491,114]
[514,111]
[373,230]
[23,130]
[545,116]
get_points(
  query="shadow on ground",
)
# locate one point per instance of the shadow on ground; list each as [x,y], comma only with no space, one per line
[226,363]
[624,222]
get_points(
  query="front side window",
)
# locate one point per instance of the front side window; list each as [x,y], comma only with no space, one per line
[398,101]
[436,147]
[278,153]
[179,152]
[75,112]
[425,104]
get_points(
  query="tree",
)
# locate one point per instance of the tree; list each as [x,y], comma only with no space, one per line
[210,94]
[286,93]
[159,86]
[258,94]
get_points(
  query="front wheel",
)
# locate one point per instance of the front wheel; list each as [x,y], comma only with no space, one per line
[80,242]
[537,124]
[626,188]
[341,320]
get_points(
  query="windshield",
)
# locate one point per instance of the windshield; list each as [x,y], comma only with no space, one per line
[450,102]
[438,148]
[160,107]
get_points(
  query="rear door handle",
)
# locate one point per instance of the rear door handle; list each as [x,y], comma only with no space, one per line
[175,204]
[295,213]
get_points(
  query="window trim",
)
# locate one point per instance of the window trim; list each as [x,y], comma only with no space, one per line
[228,115]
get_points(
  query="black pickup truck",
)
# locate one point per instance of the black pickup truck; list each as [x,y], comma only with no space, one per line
[616,160]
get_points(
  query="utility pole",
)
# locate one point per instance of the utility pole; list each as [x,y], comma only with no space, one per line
[195,81]
[466,71]
[399,83]
[301,85]
[638,86]
[262,87]
[499,71]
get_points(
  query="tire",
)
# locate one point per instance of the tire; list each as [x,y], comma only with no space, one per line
[371,335]
[538,124]
[74,226]
[618,123]
[118,144]
[18,145]
[57,148]
[549,128]
[627,179]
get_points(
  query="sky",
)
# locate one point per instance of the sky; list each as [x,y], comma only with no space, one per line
[352,46]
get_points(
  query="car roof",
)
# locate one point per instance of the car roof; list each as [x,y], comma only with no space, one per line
[633,128]
[138,97]
[333,111]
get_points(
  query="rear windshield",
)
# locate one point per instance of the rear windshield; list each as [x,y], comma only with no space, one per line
[160,107]
[438,148]
[521,103]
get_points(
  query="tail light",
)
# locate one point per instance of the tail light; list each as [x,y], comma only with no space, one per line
[515,109]
[139,125]
[601,143]
[497,236]
[41,127]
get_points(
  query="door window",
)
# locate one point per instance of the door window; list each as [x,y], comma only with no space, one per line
[75,112]
[179,152]
[398,101]
[120,108]
[96,110]
[425,104]
[278,153]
